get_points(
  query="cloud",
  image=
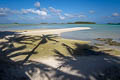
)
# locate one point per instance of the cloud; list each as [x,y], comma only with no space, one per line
[7,11]
[74,15]
[62,17]
[69,15]
[42,13]
[4,11]
[55,11]
[82,16]
[33,11]
[24,11]
[44,9]
[38,12]
[115,14]
[3,14]
[37,4]
[91,11]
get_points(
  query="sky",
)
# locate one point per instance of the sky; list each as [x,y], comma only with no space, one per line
[60,11]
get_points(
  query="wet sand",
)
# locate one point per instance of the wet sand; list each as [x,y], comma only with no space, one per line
[52,31]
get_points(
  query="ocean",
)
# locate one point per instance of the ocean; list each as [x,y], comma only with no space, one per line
[96,31]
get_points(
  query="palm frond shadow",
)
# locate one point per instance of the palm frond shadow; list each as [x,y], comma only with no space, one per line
[3,34]
[48,72]
[7,48]
[16,38]
[87,66]
[11,70]
[43,41]
[82,50]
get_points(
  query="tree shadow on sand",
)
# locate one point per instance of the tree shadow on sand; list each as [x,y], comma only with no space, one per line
[87,63]
[9,67]
[32,70]
[3,34]
[44,39]
[22,39]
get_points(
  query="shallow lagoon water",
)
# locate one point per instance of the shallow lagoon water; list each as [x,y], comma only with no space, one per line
[96,31]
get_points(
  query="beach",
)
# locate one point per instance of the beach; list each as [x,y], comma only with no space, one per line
[53,31]
[96,31]
[42,54]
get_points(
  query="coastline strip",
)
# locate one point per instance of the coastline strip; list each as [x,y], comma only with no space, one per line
[53,31]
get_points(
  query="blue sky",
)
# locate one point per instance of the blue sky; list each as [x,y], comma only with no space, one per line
[37,11]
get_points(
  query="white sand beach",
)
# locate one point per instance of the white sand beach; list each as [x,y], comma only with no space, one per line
[53,31]
[81,68]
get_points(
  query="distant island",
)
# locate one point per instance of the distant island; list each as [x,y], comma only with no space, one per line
[15,23]
[79,22]
[114,23]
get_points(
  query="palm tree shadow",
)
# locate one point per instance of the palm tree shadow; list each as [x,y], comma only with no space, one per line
[11,70]
[7,49]
[11,67]
[7,65]
[48,72]
[69,49]
[3,34]
[44,40]
[20,39]
[86,61]
[82,50]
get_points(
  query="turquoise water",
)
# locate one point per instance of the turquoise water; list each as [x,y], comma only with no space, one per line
[7,27]
[97,30]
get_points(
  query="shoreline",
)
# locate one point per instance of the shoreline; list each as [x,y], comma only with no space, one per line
[51,31]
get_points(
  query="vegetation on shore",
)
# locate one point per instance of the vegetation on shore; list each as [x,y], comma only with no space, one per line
[23,24]
[80,22]
[77,22]
[114,23]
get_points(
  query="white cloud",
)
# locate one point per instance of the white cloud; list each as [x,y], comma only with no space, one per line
[62,17]
[7,11]
[3,14]
[55,11]
[33,11]
[91,11]
[44,9]
[24,11]
[75,16]
[82,16]
[43,13]
[37,4]
[69,15]
[4,11]
[115,14]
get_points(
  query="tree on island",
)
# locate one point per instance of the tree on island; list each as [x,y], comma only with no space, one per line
[15,23]
[79,22]
[114,23]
